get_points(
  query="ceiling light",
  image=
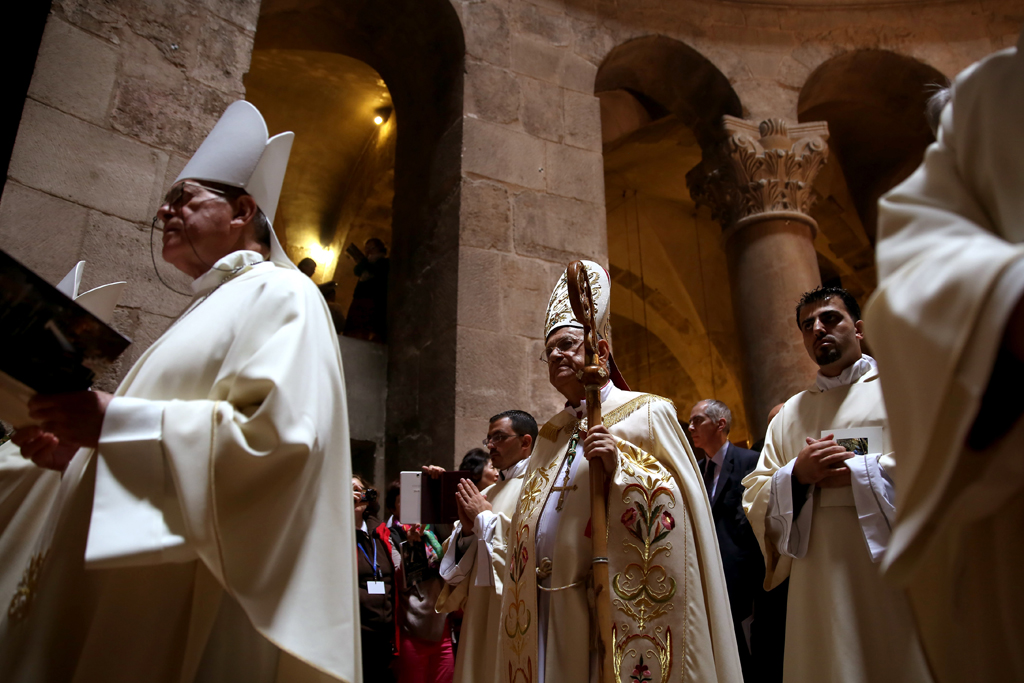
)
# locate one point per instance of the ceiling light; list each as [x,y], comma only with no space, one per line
[378,119]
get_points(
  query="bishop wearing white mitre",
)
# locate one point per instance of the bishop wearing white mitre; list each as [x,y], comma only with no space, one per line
[200,532]
[821,502]
[947,326]
[669,604]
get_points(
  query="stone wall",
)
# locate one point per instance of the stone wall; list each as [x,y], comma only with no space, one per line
[122,94]
[533,174]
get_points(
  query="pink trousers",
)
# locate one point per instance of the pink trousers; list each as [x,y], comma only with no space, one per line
[426,661]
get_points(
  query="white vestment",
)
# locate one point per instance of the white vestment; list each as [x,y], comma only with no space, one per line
[210,536]
[844,623]
[951,269]
[670,606]
[474,582]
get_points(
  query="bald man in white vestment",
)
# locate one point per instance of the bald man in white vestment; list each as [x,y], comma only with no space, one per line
[199,533]
[820,502]
[947,325]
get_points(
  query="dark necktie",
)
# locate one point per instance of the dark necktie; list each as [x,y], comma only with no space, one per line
[709,476]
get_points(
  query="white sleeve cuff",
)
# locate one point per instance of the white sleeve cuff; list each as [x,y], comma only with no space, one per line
[136,518]
[875,498]
[790,536]
[485,524]
[455,572]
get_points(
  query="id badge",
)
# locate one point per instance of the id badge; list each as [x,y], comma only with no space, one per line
[375,587]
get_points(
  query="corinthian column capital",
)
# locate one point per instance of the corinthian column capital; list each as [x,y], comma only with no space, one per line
[761,172]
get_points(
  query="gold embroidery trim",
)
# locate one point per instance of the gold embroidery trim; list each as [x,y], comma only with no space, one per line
[25,593]
[550,432]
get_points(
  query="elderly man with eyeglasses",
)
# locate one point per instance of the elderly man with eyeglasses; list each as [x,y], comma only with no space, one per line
[199,534]
[473,567]
[670,608]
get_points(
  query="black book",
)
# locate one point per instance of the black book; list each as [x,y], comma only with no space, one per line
[48,343]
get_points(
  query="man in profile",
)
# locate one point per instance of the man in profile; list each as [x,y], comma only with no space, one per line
[724,467]
[475,558]
[821,514]
[199,534]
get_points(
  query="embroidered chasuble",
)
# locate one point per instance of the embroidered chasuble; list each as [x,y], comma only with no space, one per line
[210,536]
[950,272]
[844,623]
[670,607]
[478,591]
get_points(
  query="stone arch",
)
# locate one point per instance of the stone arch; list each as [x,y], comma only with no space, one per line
[662,104]
[417,47]
[670,77]
[873,101]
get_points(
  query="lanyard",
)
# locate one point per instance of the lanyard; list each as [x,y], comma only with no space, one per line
[376,574]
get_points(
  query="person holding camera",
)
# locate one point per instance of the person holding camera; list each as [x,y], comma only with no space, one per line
[376,587]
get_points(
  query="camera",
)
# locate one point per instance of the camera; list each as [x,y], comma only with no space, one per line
[369,496]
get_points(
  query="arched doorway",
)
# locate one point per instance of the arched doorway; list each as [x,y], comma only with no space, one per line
[674,333]
[874,103]
[416,47]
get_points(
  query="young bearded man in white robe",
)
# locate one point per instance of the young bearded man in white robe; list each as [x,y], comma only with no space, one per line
[947,325]
[200,532]
[670,606]
[473,567]
[821,513]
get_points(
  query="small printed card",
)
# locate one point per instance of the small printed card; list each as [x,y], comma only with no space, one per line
[375,588]
[858,440]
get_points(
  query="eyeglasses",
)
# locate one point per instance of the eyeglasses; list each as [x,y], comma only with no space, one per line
[498,438]
[566,346]
[181,194]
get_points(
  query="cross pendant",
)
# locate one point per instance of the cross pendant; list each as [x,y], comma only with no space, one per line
[562,490]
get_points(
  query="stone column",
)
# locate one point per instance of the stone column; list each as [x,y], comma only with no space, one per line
[758,186]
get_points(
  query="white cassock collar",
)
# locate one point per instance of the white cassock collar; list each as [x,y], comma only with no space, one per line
[224,269]
[515,470]
[860,367]
[580,411]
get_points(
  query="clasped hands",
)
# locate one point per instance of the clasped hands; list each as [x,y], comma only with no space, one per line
[468,497]
[821,463]
[68,422]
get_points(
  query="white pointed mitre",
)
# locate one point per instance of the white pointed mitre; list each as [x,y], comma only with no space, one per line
[237,152]
[560,311]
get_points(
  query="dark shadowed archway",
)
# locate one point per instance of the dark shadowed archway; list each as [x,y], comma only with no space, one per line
[873,101]
[417,48]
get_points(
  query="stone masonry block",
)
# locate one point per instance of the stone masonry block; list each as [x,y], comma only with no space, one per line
[480,288]
[486,216]
[75,160]
[487,33]
[502,154]
[74,71]
[241,13]
[544,401]
[762,17]
[792,74]
[526,288]
[576,173]
[541,109]
[552,64]
[222,56]
[592,41]
[143,329]
[492,93]
[544,24]
[490,372]
[764,65]
[582,120]
[558,229]
[43,232]
[118,250]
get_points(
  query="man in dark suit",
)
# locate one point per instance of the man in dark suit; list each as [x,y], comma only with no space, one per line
[724,467]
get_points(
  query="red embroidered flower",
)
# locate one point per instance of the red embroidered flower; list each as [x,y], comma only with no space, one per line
[641,673]
[667,521]
[523,556]
[629,517]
